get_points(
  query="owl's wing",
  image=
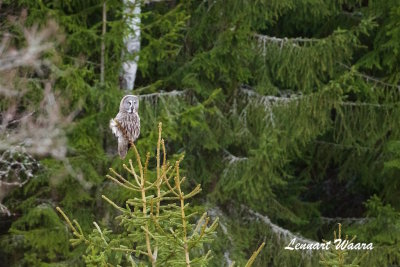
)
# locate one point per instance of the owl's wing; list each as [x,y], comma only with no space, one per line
[136,133]
[114,128]
[122,147]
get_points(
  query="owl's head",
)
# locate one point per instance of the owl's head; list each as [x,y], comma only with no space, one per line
[129,104]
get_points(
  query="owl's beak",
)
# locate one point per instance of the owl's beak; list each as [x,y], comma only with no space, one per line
[130,108]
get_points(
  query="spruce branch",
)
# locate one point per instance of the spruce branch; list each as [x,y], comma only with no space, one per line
[121,184]
[254,256]
[123,179]
[184,222]
[100,232]
[143,193]
[77,231]
[66,219]
[112,203]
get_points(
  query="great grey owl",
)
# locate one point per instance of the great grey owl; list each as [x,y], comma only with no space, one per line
[126,125]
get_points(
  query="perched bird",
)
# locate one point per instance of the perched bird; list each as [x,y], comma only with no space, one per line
[126,125]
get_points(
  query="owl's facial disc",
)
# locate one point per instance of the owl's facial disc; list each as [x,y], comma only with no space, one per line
[129,104]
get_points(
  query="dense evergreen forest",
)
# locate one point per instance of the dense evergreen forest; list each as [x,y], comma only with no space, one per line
[285,112]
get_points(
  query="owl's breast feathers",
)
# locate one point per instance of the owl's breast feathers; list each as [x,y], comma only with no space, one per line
[129,122]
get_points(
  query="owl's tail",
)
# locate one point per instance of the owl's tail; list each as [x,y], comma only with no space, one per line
[122,147]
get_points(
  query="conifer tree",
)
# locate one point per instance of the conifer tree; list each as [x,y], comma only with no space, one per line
[156,221]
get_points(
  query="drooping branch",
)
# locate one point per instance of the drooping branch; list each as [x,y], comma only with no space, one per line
[345,220]
[216,212]
[233,164]
[284,41]
[269,101]
[264,40]
[363,104]
[342,146]
[173,93]
[369,78]
[279,231]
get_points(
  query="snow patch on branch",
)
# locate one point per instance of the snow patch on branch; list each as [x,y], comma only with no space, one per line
[174,93]
[233,159]
[282,41]
[162,97]
[279,231]
[233,164]
[16,169]
[269,101]
[264,40]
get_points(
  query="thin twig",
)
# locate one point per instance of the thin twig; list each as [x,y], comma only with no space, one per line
[103,45]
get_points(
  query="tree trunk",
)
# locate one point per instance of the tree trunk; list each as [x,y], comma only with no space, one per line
[132,43]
